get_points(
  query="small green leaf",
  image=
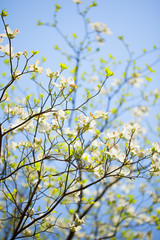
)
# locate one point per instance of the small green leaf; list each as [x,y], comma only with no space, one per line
[63,66]
[6,61]
[84,181]
[121,38]
[149,79]
[74,35]
[71,211]
[56,47]
[39,23]
[58,7]
[4,13]
[114,110]
[34,52]
[3,74]
[150,69]
[109,72]
[43,59]
[28,97]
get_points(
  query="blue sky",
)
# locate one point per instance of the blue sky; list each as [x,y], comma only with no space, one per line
[137,20]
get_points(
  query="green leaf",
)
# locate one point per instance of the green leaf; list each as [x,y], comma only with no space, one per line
[58,7]
[114,110]
[150,69]
[39,208]
[4,13]
[3,74]
[28,97]
[149,79]
[121,38]
[72,211]
[109,72]
[74,35]
[43,59]
[63,66]
[37,166]
[6,61]
[84,181]
[34,52]
[56,47]
[14,191]
[39,23]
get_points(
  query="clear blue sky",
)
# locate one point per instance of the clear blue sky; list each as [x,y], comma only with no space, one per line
[138,20]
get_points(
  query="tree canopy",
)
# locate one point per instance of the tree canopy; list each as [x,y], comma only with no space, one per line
[78,147]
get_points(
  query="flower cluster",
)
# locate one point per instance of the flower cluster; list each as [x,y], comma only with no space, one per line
[100,28]
[76,224]
[35,67]
[136,80]
[65,82]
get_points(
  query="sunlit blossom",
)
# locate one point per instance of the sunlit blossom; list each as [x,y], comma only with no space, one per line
[12,34]
[100,27]
[35,67]
[7,50]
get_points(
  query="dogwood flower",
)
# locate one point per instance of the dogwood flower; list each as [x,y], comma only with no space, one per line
[1,40]
[37,143]
[73,197]
[78,221]
[135,80]
[2,35]
[27,231]
[77,1]
[18,110]
[44,127]
[73,228]
[18,54]
[114,134]
[100,27]
[130,129]
[101,114]
[93,79]
[103,90]
[65,82]
[140,111]
[12,34]
[6,50]
[61,115]
[17,74]
[114,152]
[35,67]
[49,223]
[100,40]
[156,147]
[51,74]
[75,225]
[98,171]
[116,82]
[69,132]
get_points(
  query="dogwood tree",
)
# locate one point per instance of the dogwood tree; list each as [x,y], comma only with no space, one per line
[72,167]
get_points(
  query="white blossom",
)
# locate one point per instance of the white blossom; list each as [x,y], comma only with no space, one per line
[100,27]
[7,50]
[35,67]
